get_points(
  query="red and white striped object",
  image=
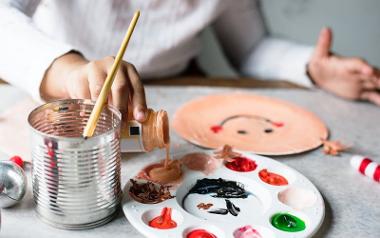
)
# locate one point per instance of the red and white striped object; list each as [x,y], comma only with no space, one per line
[366,166]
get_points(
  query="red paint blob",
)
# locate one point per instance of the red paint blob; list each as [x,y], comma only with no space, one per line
[216,128]
[17,160]
[241,164]
[163,221]
[278,124]
[272,178]
[200,233]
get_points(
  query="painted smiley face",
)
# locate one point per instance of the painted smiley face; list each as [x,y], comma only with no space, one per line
[250,123]
[247,124]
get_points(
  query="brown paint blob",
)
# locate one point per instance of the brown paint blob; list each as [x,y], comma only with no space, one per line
[148,192]
[171,174]
[201,162]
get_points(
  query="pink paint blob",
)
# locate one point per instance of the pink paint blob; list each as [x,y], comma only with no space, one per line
[246,232]
[201,162]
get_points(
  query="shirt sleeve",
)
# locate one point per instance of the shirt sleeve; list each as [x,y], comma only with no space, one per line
[243,36]
[25,52]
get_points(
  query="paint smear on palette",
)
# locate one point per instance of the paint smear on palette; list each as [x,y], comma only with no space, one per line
[231,208]
[272,178]
[218,188]
[204,206]
[158,173]
[200,233]
[241,164]
[287,222]
[163,221]
[246,232]
[148,192]
[201,162]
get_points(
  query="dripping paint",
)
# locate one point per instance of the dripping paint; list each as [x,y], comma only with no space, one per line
[165,174]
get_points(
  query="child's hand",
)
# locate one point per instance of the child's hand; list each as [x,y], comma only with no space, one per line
[72,76]
[351,78]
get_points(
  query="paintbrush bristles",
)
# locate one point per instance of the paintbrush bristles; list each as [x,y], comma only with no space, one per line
[102,99]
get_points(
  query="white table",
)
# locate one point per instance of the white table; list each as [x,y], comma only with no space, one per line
[352,200]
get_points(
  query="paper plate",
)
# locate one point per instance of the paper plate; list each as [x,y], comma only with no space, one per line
[299,197]
[249,122]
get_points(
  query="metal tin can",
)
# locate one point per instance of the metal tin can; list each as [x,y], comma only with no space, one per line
[76,181]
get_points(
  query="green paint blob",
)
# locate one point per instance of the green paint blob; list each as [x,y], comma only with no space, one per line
[287,222]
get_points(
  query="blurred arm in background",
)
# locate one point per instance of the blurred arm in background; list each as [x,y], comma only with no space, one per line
[242,34]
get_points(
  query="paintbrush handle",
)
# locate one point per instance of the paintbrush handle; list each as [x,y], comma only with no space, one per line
[102,99]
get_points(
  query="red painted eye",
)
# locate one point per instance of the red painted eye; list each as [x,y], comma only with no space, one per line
[216,129]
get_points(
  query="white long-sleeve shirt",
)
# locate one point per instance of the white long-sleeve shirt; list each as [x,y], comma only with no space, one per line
[34,33]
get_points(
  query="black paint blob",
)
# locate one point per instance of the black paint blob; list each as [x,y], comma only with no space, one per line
[268,130]
[218,188]
[243,132]
[231,208]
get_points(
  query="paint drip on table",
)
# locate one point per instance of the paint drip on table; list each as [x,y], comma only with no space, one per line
[163,221]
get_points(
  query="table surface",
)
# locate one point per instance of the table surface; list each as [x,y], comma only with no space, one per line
[352,200]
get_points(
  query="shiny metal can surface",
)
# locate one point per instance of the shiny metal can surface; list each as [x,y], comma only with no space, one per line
[76,181]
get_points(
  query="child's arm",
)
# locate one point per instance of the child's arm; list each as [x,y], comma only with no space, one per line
[241,31]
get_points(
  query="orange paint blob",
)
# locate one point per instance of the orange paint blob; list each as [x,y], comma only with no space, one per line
[163,221]
[272,178]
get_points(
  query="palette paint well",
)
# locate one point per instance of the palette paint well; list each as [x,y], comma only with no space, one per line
[229,203]
[249,122]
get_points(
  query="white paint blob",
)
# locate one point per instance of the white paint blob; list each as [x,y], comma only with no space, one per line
[297,198]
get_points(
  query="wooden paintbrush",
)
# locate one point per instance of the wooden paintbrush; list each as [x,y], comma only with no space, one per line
[102,99]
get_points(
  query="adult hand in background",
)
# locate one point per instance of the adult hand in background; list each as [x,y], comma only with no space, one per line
[350,78]
[72,76]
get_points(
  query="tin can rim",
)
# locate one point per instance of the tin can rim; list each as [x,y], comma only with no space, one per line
[113,109]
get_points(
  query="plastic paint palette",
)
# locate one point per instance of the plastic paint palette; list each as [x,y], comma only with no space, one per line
[299,198]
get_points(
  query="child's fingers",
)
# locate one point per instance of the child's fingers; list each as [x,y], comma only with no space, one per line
[96,78]
[79,89]
[358,65]
[120,91]
[138,97]
[372,96]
